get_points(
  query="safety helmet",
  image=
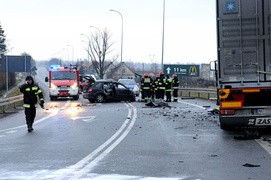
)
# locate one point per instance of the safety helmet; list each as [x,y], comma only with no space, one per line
[146,74]
[161,73]
[174,75]
[158,75]
[150,75]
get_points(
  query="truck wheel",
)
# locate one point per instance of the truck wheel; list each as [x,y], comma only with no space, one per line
[99,98]
[76,97]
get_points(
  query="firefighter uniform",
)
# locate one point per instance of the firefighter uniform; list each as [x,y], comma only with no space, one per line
[146,87]
[155,87]
[161,86]
[168,88]
[30,92]
[175,86]
[152,88]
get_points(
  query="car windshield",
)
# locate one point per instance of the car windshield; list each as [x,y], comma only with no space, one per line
[127,82]
[63,75]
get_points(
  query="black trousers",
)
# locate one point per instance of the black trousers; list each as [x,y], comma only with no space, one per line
[175,94]
[146,94]
[161,93]
[30,114]
[168,94]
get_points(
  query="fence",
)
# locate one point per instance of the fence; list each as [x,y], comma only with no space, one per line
[8,101]
[190,92]
[199,92]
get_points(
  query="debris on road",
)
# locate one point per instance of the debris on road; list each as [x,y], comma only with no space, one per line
[248,135]
[251,165]
[214,111]
[154,103]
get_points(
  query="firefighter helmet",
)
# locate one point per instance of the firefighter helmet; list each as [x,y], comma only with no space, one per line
[174,75]
[161,73]
[150,75]
[146,74]
[158,75]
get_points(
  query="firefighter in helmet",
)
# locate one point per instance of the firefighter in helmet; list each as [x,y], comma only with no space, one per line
[175,86]
[168,88]
[155,87]
[161,86]
[146,87]
[152,88]
[30,91]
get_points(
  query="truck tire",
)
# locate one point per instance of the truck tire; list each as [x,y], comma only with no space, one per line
[99,98]
[52,98]
[76,97]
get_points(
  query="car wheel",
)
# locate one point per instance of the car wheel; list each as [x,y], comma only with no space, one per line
[99,98]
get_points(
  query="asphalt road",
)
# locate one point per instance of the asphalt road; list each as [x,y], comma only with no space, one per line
[82,140]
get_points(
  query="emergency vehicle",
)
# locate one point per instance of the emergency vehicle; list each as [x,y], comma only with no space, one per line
[63,82]
[243,69]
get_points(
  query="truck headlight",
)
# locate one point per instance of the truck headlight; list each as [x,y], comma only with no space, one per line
[74,86]
[53,86]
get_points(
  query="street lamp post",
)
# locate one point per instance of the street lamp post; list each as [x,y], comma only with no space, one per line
[163,37]
[121,37]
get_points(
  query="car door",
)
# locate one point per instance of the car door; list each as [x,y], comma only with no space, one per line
[121,91]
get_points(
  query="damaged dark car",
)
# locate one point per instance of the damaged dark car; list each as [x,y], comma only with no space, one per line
[107,90]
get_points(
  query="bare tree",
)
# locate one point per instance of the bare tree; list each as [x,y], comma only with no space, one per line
[99,47]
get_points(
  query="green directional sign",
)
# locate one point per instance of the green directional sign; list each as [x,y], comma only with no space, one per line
[182,70]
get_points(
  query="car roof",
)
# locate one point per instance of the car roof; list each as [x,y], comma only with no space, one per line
[106,80]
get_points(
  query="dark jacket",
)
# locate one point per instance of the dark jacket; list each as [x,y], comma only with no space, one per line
[30,92]
[175,83]
[168,84]
[146,83]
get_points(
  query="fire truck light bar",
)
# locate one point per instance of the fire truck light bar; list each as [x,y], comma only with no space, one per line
[55,67]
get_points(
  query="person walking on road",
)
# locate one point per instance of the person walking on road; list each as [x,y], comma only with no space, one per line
[175,86]
[30,91]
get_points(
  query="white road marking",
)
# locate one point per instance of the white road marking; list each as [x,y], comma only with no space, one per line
[10,132]
[85,118]
[184,102]
[36,122]
[86,164]
[94,162]
[265,144]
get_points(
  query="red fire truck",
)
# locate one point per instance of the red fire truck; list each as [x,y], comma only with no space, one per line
[63,82]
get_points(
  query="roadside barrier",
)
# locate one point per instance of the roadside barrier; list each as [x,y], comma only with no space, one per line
[199,93]
[8,101]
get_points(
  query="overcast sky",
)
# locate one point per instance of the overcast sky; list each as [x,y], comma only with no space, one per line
[43,28]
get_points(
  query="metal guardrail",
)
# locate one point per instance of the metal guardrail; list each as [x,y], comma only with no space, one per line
[7,101]
[199,91]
